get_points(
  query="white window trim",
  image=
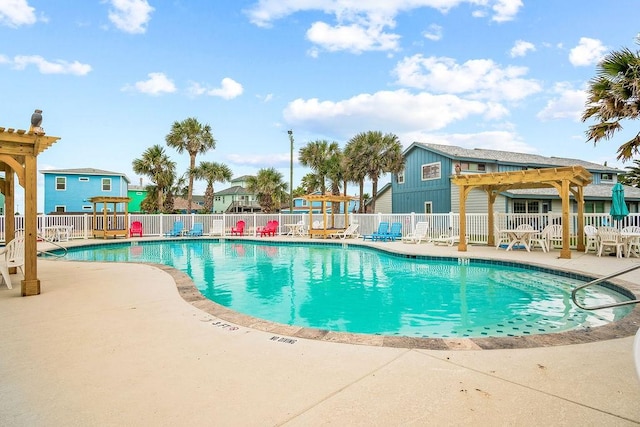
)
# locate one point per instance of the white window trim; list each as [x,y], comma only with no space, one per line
[102,182]
[87,208]
[401,177]
[65,183]
[64,208]
[430,204]
[430,164]
[83,179]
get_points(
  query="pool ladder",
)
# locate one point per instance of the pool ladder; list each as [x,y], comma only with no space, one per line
[600,280]
[53,254]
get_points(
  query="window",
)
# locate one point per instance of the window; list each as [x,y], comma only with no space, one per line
[217,198]
[138,193]
[431,171]
[83,179]
[526,206]
[606,177]
[61,183]
[400,177]
[60,209]
[428,207]
[87,207]
[594,207]
[473,167]
[106,184]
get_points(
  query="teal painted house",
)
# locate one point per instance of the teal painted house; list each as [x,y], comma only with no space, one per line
[69,190]
[425,184]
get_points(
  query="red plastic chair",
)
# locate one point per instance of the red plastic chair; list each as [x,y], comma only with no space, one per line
[136,229]
[270,229]
[238,230]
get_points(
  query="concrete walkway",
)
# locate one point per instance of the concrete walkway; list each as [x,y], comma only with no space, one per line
[116,345]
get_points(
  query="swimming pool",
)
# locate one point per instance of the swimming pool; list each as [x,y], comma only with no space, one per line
[366,291]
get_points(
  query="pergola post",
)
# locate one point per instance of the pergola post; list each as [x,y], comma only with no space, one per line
[19,150]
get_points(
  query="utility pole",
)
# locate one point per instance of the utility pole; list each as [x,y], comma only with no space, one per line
[290,132]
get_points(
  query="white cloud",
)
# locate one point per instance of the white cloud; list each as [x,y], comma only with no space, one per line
[14,13]
[47,67]
[397,111]
[521,47]
[568,104]
[361,25]
[157,84]
[354,38]
[587,52]
[479,78]
[130,16]
[434,32]
[505,10]
[228,89]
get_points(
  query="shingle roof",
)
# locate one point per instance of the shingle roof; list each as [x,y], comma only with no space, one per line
[235,190]
[508,157]
[592,191]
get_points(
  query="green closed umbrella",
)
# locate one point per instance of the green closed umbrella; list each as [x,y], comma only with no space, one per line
[618,206]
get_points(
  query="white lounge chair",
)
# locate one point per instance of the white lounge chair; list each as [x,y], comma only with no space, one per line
[12,256]
[350,232]
[420,233]
[446,239]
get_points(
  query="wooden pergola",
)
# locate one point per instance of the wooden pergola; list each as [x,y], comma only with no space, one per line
[19,151]
[107,224]
[324,199]
[569,180]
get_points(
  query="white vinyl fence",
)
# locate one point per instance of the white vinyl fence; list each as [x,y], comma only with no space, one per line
[439,224]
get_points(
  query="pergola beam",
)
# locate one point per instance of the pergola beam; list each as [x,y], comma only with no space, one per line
[569,180]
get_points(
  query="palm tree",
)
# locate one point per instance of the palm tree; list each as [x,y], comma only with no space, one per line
[632,177]
[353,165]
[316,155]
[157,165]
[194,138]
[268,187]
[310,183]
[614,95]
[211,172]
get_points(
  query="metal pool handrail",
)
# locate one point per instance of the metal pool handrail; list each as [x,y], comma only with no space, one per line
[602,279]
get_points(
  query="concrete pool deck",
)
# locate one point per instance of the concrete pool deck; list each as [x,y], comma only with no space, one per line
[108,344]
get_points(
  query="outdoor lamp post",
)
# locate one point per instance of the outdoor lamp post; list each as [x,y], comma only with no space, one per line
[290,132]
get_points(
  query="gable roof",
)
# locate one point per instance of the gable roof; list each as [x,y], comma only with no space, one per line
[591,191]
[507,157]
[235,190]
[84,171]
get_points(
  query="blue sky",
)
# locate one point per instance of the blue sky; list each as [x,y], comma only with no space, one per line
[111,76]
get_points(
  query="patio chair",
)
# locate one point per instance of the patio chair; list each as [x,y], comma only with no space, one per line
[554,236]
[383,230]
[178,229]
[238,230]
[501,237]
[196,230]
[631,238]
[541,239]
[591,241]
[217,228]
[135,229]
[609,237]
[349,232]
[395,232]
[447,239]
[12,255]
[420,233]
[270,229]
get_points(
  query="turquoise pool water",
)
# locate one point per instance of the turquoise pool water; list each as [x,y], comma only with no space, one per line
[361,290]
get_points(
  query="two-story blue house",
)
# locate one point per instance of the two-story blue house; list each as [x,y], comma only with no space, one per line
[425,184]
[69,190]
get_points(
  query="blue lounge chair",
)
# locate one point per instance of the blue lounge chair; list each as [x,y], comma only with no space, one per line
[196,230]
[383,230]
[395,232]
[178,227]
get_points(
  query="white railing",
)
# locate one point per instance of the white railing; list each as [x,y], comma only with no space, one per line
[447,223]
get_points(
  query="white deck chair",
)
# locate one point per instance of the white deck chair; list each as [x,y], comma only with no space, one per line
[350,232]
[420,233]
[12,256]
[591,242]
[609,237]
